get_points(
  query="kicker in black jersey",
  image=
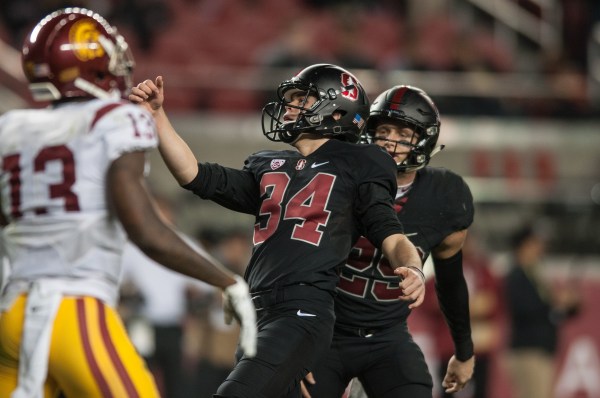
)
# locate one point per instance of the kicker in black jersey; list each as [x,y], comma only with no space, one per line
[303,206]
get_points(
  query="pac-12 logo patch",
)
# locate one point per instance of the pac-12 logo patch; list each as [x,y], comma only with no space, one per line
[277,163]
[301,163]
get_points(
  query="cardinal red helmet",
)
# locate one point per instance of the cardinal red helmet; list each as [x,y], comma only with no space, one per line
[337,92]
[76,53]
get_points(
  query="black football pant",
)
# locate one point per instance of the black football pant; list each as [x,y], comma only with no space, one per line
[294,330]
[388,363]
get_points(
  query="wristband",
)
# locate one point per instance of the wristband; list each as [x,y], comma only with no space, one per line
[419,271]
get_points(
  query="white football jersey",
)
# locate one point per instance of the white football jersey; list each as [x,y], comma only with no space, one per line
[53,165]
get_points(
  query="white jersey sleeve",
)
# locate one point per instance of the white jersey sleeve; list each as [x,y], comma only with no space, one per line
[125,128]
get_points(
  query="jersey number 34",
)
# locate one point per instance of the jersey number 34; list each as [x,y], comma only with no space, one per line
[308,205]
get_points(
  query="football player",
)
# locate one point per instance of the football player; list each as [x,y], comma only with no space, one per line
[371,339]
[71,192]
[311,204]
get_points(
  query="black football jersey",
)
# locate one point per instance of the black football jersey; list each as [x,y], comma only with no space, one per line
[309,210]
[438,204]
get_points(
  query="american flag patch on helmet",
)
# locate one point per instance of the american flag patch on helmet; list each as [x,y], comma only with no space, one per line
[359,121]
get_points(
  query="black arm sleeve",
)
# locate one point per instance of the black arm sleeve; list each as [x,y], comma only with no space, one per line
[375,210]
[231,188]
[376,192]
[453,296]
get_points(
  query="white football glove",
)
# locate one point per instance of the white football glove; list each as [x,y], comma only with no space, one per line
[238,304]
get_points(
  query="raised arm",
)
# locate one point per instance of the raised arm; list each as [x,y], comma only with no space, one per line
[176,153]
[453,297]
[404,257]
[132,204]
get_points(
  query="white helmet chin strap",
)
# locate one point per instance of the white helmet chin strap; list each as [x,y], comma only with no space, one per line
[95,90]
[436,150]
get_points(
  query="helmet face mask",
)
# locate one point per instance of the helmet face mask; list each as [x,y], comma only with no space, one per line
[407,141]
[75,53]
[339,111]
[412,108]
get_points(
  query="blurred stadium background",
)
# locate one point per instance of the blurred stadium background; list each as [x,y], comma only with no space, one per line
[517,83]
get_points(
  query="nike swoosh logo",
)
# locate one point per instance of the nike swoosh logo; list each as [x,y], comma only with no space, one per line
[300,313]
[312,166]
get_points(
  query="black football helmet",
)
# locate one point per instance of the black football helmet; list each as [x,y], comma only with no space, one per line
[413,108]
[76,53]
[336,90]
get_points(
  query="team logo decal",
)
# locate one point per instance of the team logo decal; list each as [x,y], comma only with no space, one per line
[84,38]
[349,87]
[301,163]
[277,163]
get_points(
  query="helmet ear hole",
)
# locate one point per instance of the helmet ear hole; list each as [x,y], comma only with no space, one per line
[337,115]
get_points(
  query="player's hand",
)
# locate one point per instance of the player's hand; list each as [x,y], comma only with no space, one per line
[308,379]
[458,374]
[238,304]
[412,285]
[149,94]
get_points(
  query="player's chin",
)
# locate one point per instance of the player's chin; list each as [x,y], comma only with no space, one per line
[399,158]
